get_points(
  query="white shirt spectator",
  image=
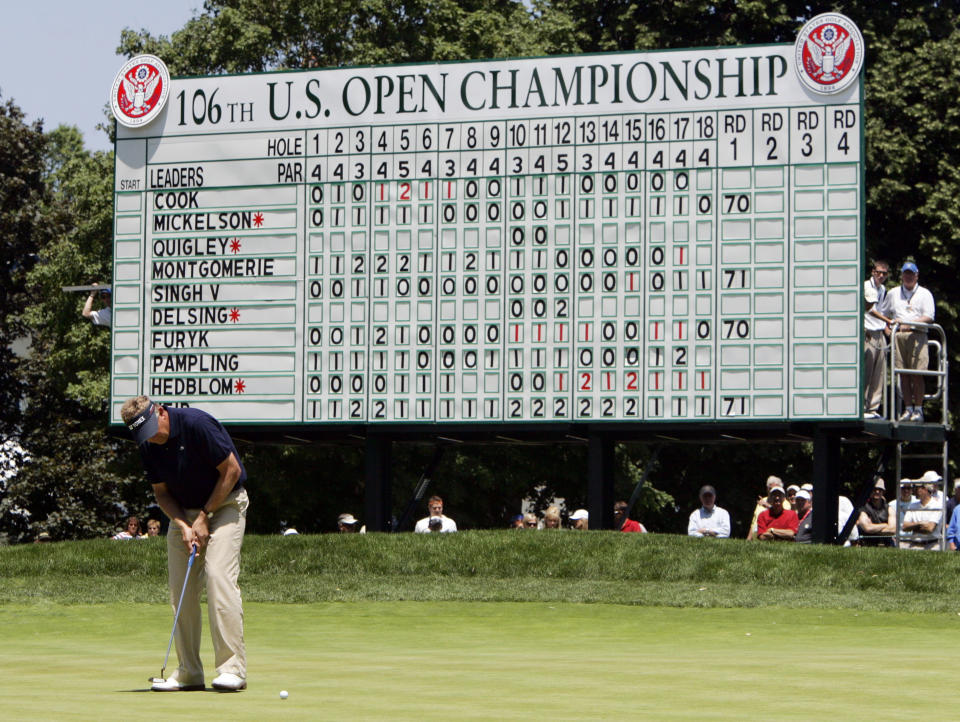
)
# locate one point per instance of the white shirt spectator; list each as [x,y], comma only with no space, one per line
[423,526]
[102,317]
[873,294]
[906,306]
[716,520]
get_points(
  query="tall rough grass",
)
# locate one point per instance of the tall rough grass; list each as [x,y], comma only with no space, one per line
[592,567]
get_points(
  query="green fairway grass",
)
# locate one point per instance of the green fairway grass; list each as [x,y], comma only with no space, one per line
[495,625]
[482,661]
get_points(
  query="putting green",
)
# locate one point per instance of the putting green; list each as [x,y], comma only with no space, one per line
[481,661]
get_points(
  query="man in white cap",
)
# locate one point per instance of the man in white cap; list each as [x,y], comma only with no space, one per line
[922,522]
[763,503]
[804,510]
[580,520]
[347,524]
[910,303]
[777,523]
[709,520]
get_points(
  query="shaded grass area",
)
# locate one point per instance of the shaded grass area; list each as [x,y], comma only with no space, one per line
[594,567]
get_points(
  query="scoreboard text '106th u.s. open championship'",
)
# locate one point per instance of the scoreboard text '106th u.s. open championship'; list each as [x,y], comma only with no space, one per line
[658,236]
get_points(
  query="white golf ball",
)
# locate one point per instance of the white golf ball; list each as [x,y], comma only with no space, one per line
[283,694]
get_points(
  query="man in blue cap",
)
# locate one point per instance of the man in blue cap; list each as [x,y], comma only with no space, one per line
[197,479]
[908,304]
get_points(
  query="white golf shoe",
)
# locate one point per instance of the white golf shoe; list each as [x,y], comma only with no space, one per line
[173,684]
[228,682]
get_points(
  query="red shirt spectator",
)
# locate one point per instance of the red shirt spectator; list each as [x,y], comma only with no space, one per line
[784,521]
[621,522]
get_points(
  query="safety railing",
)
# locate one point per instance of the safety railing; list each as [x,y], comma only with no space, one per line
[937,345]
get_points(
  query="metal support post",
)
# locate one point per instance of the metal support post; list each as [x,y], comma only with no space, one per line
[826,477]
[600,464]
[378,472]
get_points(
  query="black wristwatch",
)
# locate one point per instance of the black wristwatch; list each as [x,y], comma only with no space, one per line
[206,511]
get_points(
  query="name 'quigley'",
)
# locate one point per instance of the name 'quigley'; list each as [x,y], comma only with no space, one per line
[536,87]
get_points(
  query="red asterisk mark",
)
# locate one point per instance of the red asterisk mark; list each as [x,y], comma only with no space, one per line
[235,245]
[239,386]
[258,220]
[234,314]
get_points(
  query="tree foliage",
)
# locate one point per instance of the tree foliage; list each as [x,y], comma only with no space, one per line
[78,481]
[22,197]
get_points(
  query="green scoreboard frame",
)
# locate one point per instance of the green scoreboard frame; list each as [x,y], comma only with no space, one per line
[656,237]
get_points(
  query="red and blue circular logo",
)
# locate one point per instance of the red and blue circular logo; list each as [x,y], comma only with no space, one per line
[829,53]
[140,91]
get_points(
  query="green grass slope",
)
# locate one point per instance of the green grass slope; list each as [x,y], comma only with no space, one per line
[516,566]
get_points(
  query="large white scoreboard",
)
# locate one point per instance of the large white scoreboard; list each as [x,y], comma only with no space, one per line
[657,237]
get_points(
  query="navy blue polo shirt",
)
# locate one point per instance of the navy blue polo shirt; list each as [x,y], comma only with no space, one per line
[187,462]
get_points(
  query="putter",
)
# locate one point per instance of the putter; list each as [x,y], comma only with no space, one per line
[186,578]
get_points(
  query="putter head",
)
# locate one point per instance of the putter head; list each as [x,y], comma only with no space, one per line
[156,680]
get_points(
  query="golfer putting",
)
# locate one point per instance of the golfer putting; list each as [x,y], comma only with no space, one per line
[197,478]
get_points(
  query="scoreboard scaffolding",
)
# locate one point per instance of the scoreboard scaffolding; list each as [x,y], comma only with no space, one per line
[667,236]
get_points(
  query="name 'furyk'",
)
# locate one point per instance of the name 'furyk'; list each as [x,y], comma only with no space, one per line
[533,86]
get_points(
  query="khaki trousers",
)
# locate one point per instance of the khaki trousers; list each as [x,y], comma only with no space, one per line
[874,367]
[217,566]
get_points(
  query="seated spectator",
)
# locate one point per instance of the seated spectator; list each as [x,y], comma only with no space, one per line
[347,524]
[530,521]
[580,519]
[131,532]
[954,500]
[551,517]
[516,522]
[153,527]
[791,495]
[953,530]
[777,523]
[844,512]
[435,507]
[876,522]
[763,503]
[709,519]
[932,477]
[804,511]
[921,524]
[621,522]
[906,499]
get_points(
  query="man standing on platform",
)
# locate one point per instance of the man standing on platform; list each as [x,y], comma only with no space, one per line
[877,328]
[910,303]
[198,481]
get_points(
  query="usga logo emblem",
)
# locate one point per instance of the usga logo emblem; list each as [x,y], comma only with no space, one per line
[829,53]
[140,91]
